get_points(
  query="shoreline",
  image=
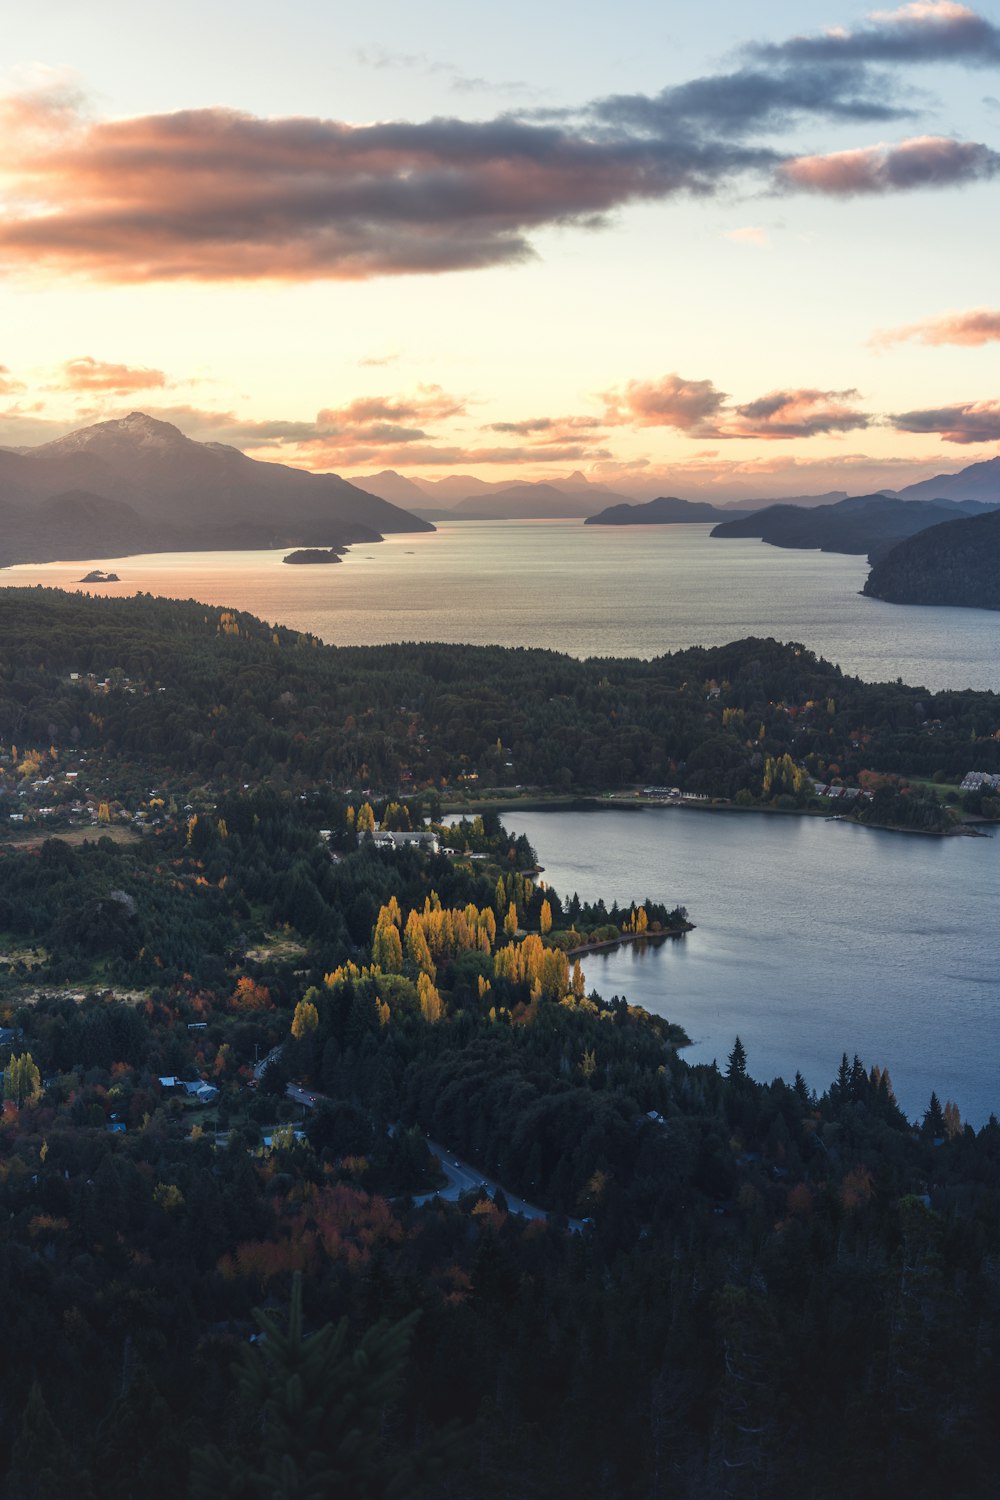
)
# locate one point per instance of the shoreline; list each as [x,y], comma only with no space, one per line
[568,802]
[609,944]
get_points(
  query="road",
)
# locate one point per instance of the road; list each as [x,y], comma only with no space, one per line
[465,1178]
[462,1176]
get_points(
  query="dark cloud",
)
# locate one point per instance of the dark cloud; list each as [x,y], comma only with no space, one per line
[968,422]
[928,31]
[754,100]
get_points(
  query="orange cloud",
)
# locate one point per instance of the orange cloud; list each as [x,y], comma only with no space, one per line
[8,385]
[924,161]
[96,375]
[980,326]
[699,409]
[673,401]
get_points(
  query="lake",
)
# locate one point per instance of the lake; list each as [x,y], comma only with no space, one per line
[585,590]
[812,938]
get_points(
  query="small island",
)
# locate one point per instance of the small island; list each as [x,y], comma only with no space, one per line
[97,575]
[314,555]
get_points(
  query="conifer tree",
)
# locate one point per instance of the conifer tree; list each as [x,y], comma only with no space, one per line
[319,1407]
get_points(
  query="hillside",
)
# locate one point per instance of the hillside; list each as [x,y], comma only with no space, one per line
[138,484]
[865,524]
[957,563]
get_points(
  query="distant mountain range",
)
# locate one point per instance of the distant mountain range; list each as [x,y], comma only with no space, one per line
[139,485]
[956,563]
[865,524]
[462,497]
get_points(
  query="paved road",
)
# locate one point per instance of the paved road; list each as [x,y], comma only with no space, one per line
[465,1178]
[462,1176]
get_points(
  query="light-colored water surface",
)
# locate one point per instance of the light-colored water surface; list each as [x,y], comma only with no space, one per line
[812,938]
[586,590]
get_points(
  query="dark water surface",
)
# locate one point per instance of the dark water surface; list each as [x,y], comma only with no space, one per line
[813,938]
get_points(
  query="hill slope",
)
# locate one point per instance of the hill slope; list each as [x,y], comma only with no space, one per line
[956,563]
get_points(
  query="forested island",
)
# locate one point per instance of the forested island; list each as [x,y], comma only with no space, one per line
[314,555]
[234,1008]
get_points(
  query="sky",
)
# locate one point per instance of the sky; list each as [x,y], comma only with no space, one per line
[714,250]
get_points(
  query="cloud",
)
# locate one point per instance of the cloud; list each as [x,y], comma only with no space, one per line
[92,375]
[928,31]
[685,405]
[967,422]
[8,385]
[797,414]
[924,161]
[748,235]
[377,360]
[980,326]
[217,194]
[214,194]
[771,476]
[698,409]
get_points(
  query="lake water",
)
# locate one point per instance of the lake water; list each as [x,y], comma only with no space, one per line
[812,938]
[586,590]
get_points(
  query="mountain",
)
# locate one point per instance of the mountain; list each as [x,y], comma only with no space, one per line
[389,485]
[521,502]
[439,496]
[864,524]
[138,484]
[557,500]
[956,563]
[455,487]
[667,510]
[977,482]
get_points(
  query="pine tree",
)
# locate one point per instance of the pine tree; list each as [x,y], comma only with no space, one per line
[737,1064]
[320,1408]
[41,1467]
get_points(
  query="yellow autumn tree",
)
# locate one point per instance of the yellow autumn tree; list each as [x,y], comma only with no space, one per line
[305,1019]
[431,1006]
[510,920]
[22,1082]
[545,918]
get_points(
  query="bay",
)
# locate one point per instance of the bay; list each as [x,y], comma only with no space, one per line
[586,590]
[812,938]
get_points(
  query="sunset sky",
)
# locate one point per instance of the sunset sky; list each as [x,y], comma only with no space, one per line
[710,249]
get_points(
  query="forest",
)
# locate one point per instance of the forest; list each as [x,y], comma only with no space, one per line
[764,1290]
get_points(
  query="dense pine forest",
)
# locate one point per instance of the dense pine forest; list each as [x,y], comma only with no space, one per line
[233,1020]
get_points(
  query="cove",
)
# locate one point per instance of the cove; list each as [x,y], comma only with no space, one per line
[812,938]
